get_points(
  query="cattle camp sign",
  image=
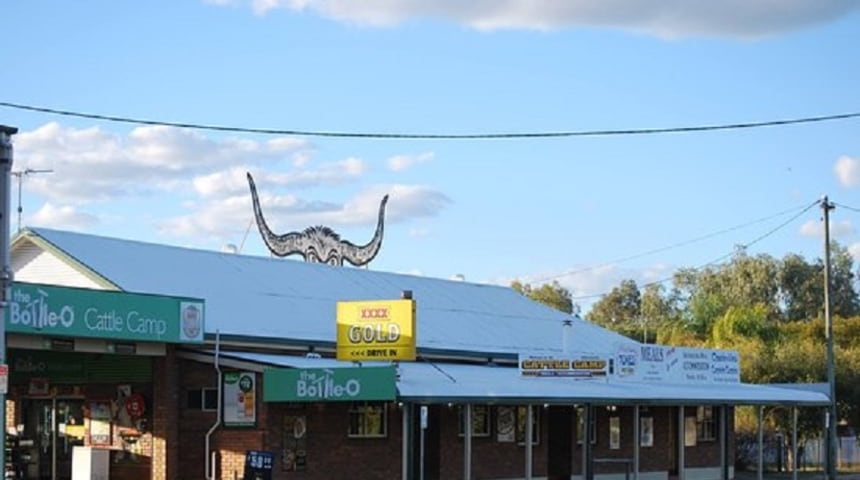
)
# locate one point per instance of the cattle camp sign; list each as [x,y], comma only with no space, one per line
[376,330]
[574,365]
[79,312]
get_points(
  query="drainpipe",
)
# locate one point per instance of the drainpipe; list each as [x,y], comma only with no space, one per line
[210,467]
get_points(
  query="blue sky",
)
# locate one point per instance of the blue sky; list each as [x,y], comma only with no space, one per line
[490,210]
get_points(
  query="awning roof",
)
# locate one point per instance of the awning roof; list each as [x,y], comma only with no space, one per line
[426,382]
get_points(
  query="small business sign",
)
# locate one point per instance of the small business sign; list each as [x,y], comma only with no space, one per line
[329,384]
[668,364]
[240,399]
[576,365]
[80,312]
[376,330]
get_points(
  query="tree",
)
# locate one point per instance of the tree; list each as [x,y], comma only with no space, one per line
[801,287]
[550,294]
[620,309]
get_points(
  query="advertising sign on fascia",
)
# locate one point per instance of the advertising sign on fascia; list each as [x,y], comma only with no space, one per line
[725,366]
[376,330]
[80,312]
[579,365]
[666,364]
[329,384]
[643,363]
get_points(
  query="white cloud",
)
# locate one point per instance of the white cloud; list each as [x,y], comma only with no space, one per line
[815,228]
[854,250]
[225,218]
[399,163]
[667,18]
[64,217]
[847,171]
[94,165]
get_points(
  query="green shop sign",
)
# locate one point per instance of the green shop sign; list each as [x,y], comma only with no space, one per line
[80,312]
[328,384]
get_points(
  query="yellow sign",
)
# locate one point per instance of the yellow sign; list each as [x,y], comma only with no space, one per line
[376,330]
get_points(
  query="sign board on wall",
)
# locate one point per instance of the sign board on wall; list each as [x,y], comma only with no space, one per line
[329,384]
[577,365]
[667,364]
[80,312]
[376,330]
[240,399]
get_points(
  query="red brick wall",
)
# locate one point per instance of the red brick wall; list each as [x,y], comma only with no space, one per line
[165,416]
[331,454]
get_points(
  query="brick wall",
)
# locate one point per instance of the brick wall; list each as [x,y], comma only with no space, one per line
[332,455]
[165,416]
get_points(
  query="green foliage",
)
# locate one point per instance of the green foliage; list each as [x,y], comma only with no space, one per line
[620,308]
[769,310]
[550,294]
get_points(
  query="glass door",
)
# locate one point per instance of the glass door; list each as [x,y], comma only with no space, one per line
[52,428]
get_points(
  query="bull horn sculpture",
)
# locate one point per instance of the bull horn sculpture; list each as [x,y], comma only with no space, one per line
[318,244]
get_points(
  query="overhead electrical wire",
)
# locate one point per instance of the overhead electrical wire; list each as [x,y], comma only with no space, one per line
[668,247]
[433,136]
[722,257]
[853,209]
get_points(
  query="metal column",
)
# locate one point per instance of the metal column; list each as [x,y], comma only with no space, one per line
[467,443]
[760,467]
[682,474]
[636,442]
[6,274]
[529,433]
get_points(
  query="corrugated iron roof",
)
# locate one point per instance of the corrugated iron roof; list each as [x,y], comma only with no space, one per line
[281,298]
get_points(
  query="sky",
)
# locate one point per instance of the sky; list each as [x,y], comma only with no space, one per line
[586,211]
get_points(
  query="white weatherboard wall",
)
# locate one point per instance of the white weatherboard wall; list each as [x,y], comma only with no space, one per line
[32,264]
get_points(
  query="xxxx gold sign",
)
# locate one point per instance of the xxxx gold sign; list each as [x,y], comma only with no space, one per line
[376,330]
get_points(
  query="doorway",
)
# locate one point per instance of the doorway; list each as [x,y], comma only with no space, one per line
[51,429]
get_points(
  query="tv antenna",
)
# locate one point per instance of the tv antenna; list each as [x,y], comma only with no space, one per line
[20,174]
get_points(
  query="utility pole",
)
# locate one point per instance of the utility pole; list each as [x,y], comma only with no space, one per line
[20,174]
[832,419]
[6,273]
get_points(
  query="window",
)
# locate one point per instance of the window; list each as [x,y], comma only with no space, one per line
[646,431]
[705,424]
[368,420]
[614,433]
[205,399]
[480,420]
[522,414]
[580,417]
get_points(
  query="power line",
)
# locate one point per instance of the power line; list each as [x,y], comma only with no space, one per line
[434,136]
[722,257]
[853,209]
[668,247]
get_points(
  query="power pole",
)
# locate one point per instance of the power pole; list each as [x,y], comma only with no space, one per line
[832,419]
[6,273]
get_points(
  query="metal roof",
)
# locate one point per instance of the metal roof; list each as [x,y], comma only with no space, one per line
[427,382]
[258,297]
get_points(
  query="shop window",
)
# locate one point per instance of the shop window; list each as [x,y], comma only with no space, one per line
[705,424]
[205,399]
[368,420]
[522,415]
[480,420]
[592,431]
